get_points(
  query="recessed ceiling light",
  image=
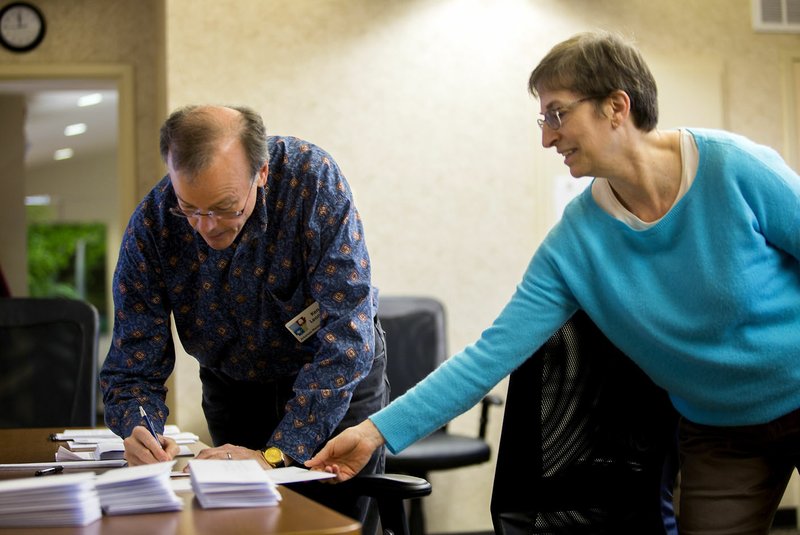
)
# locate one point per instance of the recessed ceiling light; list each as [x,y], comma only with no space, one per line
[90,100]
[75,129]
[63,154]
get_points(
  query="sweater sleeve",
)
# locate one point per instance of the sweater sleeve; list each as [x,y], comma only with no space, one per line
[525,323]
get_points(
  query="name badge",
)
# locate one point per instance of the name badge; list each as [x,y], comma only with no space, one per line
[306,323]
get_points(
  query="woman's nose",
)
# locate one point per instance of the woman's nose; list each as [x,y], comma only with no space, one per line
[549,136]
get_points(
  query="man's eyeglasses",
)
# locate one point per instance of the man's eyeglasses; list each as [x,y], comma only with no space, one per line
[552,118]
[216,214]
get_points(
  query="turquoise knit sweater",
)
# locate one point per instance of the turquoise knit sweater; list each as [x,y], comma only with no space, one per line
[706,302]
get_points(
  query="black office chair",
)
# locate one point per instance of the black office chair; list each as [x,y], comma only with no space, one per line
[588,443]
[415,345]
[48,362]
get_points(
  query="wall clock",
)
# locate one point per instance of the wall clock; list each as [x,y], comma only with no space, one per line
[22,26]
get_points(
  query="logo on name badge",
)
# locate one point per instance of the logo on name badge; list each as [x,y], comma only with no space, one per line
[306,323]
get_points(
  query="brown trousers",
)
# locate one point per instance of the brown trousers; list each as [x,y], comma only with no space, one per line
[733,478]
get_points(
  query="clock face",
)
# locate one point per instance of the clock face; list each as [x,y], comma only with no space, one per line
[21,26]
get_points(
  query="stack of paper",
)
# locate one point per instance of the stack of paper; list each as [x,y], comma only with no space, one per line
[94,434]
[232,484]
[64,500]
[101,444]
[108,450]
[116,450]
[138,489]
[87,459]
[91,439]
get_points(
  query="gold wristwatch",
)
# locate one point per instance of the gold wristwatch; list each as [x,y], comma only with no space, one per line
[274,457]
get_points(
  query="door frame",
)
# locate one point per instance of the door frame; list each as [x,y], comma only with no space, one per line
[791,103]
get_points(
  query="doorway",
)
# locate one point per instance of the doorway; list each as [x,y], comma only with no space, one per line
[88,195]
[63,80]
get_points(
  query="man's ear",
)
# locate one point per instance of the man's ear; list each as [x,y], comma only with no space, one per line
[263,173]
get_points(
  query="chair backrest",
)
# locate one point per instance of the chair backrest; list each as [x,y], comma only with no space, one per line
[48,362]
[588,442]
[416,341]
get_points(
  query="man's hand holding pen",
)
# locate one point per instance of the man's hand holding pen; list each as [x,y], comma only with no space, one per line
[145,446]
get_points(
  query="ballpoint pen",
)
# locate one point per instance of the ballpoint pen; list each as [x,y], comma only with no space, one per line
[49,471]
[152,429]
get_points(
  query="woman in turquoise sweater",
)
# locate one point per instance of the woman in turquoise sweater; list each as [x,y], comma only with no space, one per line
[685,251]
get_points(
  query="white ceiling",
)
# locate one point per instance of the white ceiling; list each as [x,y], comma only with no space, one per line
[52,105]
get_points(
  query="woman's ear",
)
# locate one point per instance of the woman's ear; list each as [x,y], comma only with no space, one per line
[618,106]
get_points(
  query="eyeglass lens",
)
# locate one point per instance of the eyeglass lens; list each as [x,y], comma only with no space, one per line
[221,214]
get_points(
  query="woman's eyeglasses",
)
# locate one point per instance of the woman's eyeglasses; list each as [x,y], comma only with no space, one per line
[552,118]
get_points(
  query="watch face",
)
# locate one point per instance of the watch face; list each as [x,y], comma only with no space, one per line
[274,456]
[21,26]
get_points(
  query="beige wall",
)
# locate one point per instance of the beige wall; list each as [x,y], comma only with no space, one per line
[423,103]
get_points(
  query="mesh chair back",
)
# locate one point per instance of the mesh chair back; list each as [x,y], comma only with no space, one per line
[48,363]
[590,440]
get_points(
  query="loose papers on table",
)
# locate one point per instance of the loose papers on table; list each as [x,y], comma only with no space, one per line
[223,483]
[80,499]
[138,489]
[63,500]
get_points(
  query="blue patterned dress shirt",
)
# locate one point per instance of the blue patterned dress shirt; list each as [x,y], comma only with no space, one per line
[303,243]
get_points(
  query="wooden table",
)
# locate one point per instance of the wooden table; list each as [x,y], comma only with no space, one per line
[295,514]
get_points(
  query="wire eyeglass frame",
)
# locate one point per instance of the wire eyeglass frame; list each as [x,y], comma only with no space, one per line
[552,118]
[214,214]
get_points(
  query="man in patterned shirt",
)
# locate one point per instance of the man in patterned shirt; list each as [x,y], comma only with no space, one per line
[253,244]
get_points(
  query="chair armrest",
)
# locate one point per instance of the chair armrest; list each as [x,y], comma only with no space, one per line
[392,486]
[486,402]
[390,491]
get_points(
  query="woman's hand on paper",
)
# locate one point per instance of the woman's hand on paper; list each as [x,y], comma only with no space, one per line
[348,452]
[142,448]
